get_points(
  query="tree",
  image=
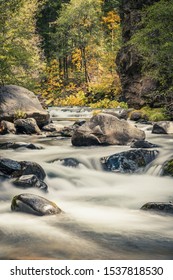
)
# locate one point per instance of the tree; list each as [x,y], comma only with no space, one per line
[110,5]
[20,55]
[46,16]
[77,27]
[154,40]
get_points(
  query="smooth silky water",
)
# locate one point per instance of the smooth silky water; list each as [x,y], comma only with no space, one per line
[102,217]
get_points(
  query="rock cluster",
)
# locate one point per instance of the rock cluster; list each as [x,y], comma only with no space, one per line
[24,175]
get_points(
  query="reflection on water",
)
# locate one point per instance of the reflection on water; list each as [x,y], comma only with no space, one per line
[102,218]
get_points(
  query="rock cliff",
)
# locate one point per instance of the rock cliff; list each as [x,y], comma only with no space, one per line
[135,85]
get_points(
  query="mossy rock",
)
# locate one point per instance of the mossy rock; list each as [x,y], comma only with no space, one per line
[167,169]
[34,204]
[159,207]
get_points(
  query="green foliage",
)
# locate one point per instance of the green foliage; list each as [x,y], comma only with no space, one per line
[109,5]
[20,56]
[168,168]
[20,114]
[157,114]
[46,16]
[107,103]
[76,99]
[155,42]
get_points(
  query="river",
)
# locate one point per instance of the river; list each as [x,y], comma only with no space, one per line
[102,217]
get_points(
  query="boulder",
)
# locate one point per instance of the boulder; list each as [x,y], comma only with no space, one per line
[52,127]
[163,127]
[7,127]
[34,204]
[15,101]
[132,161]
[138,116]
[143,144]
[14,168]
[27,126]
[29,181]
[159,207]
[105,129]
[17,145]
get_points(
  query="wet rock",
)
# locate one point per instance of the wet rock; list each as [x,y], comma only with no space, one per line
[136,115]
[78,123]
[67,131]
[29,167]
[52,127]
[159,207]
[15,99]
[105,129]
[132,161]
[14,168]
[69,162]
[143,144]
[34,204]
[29,181]
[7,127]
[167,168]
[163,127]
[17,145]
[9,166]
[27,126]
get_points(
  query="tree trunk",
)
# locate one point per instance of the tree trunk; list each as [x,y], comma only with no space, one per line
[86,75]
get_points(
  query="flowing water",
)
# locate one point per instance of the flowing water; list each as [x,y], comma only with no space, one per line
[102,217]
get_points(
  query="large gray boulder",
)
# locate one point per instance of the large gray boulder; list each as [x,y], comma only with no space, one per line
[15,100]
[105,129]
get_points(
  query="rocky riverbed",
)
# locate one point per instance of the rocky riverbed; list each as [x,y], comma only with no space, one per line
[95,212]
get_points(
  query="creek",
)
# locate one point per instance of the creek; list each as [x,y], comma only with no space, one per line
[102,217]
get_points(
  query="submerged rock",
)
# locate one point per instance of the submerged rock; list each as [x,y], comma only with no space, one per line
[105,129]
[163,127]
[34,204]
[14,168]
[17,145]
[128,162]
[27,126]
[29,181]
[69,162]
[143,144]
[15,100]
[159,207]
